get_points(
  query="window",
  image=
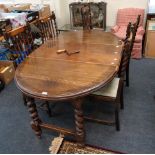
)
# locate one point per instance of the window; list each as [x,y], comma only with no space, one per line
[152,6]
[152,2]
[6,1]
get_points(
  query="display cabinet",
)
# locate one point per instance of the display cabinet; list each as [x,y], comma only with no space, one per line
[97,11]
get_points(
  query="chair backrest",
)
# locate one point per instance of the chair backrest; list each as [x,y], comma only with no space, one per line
[48,27]
[128,46]
[20,39]
[126,15]
[128,32]
[134,32]
[125,59]
[86,17]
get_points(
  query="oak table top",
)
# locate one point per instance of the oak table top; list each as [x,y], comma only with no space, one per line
[48,75]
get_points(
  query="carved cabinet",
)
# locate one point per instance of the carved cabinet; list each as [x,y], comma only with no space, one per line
[97,11]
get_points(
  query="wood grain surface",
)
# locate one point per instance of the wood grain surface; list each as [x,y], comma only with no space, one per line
[48,75]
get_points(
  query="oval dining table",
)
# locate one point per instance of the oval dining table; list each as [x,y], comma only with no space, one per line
[50,76]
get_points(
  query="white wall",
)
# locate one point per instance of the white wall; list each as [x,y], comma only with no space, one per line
[61,7]
[114,5]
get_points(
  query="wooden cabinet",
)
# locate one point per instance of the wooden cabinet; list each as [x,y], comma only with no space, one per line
[97,11]
[150,40]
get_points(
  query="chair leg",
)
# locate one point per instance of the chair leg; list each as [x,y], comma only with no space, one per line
[48,110]
[117,121]
[122,98]
[127,76]
[24,100]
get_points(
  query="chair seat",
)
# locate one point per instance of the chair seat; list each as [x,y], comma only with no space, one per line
[110,90]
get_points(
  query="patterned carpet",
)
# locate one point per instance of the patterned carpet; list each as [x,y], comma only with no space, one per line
[73,148]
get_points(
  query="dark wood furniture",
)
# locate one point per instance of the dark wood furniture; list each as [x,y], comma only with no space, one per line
[97,13]
[113,92]
[48,27]
[20,39]
[133,36]
[86,17]
[50,76]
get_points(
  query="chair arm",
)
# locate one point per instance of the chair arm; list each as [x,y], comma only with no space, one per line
[115,29]
[140,31]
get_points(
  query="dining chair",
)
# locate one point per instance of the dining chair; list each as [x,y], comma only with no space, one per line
[86,17]
[20,39]
[134,28]
[124,16]
[128,32]
[113,92]
[48,27]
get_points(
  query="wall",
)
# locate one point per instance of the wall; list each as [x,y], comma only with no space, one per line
[114,5]
[61,7]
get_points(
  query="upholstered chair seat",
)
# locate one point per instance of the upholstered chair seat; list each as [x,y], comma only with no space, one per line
[110,90]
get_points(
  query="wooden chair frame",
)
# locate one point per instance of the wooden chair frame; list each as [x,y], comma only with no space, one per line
[20,39]
[48,27]
[118,100]
[134,29]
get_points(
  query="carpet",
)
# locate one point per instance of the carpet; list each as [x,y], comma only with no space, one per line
[60,146]
[137,134]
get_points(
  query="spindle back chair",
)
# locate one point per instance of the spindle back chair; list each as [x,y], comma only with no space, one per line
[48,27]
[20,39]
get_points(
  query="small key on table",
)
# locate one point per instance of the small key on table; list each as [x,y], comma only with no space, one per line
[61,51]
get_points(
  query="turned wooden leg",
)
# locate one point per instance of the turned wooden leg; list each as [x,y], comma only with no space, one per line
[34,116]
[24,100]
[79,122]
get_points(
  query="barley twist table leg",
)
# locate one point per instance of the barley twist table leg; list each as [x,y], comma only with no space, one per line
[34,116]
[79,122]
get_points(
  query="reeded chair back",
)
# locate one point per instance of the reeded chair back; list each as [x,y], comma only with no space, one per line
[48,27]
[133,32]
[20,39]
[125,59]
[128,32]
[86,17]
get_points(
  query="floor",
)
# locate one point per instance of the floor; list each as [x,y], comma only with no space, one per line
[137,133]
